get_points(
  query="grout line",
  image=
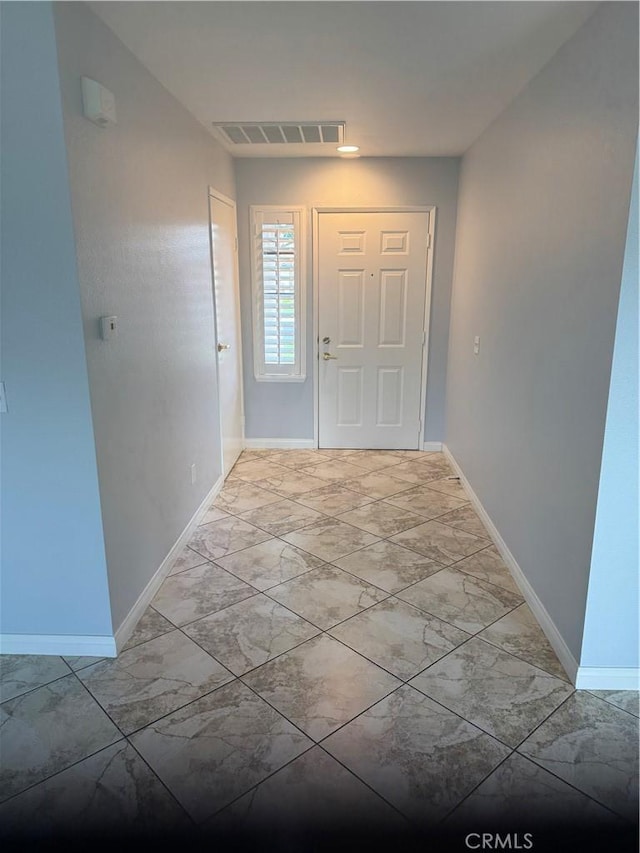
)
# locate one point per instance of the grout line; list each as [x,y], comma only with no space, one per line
[38,686]
[266,778]
[120,740]
[474,789]
[365,783]
[611,704]
[163,783]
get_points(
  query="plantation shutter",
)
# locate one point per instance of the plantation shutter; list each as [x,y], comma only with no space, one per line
[278,334]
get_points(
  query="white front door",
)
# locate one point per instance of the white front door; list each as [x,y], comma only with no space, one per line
[371,317]
[227,315]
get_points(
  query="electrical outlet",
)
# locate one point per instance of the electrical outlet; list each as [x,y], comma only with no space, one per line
[194,474]
[3,399]
[476,345]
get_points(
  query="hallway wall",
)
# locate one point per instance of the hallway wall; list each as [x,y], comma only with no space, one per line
[542,216]
[140,212]
[611,624]
[54,575]
[326,182]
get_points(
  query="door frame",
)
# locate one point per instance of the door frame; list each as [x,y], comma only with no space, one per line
[212,192]
[316,213]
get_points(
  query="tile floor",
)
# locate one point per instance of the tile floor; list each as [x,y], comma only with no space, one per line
[339,649]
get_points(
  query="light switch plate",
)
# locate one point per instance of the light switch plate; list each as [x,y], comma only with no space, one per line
[108,327]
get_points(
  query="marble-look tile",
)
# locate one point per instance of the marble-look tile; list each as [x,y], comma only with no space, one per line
[519,634]
[270,563]
[113,788]
[337,452]
[238,496]
[398,637]
[48,729]
[327,595]
[449,486]
[487,565]
[594,747]
[436,460]
[312,794]
[467,603]
[377,485]
[193,594]
[218,748]
[80,661]
[416,454]
[320,685]
[425,502]
[151,625]
[297,459]
[333,499]
[213,514]
[334,469]
[421,472]
[381,519]
[281,517]
[628,700]
[257,469]
[21,673]
[375,460]
[501,694]
[223,537]
[441,543]
[521,795]
[250,633]
[292,484]
[257,453]
[187,559]
[420,757]
[389,566]
[329,539]
[152,679]
[465,518]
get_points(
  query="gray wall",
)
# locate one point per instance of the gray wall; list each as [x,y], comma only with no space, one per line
[611,624]
[285,410]
[140,210]
[54,577]
[542,215]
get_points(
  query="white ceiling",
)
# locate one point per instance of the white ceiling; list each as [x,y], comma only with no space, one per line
[409,78]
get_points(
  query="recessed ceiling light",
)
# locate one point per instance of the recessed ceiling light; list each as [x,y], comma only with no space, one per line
[348,149]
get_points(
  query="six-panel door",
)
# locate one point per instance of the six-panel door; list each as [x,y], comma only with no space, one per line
[371,297]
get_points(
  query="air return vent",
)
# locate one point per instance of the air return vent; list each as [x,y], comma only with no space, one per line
[283,133]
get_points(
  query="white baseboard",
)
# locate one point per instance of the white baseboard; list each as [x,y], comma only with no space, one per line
[69,645]
[434,446]
[608,678]
[279,444]
[133,616]
[537,607]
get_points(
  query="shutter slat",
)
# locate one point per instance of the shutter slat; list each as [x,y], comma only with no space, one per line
[278,268]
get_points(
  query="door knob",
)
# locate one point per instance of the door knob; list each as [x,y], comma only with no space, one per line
[222,347]
[326,356]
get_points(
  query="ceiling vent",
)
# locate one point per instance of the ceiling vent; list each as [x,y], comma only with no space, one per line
[282,133]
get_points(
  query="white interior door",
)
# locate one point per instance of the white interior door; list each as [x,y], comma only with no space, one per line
[371,313]
[224,250]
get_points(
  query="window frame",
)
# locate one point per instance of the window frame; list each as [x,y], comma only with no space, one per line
[258,215]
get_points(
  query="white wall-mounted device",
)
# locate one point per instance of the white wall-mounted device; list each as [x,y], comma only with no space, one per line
[98,103]
[108,327]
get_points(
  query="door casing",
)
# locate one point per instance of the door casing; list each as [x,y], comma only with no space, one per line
[315,249]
